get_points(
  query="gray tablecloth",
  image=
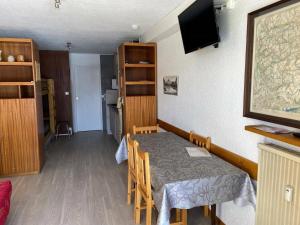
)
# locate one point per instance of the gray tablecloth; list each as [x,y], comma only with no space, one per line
[180,181]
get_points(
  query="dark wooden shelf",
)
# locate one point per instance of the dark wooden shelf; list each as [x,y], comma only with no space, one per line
[286,138]
[144,82]
[139,65]
[16,63]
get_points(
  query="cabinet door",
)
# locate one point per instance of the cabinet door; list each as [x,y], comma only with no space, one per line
[140,111]
[19,140]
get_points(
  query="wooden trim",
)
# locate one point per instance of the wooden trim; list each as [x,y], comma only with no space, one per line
[16,63]
[144,82]
[31,83]
[139,44]
[139,65]
[25,40]
[286,138]
[245,164]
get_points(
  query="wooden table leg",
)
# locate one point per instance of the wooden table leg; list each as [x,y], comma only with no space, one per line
[213,215]
[184,216]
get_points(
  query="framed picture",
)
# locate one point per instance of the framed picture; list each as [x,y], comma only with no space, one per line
[171,85]
[272,76]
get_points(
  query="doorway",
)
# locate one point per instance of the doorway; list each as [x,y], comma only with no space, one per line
[86,84]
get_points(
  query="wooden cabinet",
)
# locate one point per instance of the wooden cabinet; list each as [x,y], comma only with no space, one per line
[21,125]
[137,82]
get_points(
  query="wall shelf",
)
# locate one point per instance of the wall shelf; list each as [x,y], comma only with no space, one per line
[286,138]
[16,63]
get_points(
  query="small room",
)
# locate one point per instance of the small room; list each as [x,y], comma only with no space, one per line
[174,112]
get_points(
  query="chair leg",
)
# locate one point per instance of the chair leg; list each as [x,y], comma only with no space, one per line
[184,216]
[129,185]
[177,215]
[206,211]
[149,212]
[138,207]
[135,201]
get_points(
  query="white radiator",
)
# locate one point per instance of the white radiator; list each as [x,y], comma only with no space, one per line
[278,199]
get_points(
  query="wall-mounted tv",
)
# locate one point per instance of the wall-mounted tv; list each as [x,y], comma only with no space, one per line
[198,26]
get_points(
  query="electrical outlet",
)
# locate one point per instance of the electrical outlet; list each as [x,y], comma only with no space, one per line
[289,193]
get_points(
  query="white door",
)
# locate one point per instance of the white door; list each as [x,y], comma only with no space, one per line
[88,98]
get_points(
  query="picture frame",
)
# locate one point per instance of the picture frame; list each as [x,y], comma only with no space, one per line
[272,71]
[170,85]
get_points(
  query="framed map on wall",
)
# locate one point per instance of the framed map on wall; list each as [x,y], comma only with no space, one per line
[272,76]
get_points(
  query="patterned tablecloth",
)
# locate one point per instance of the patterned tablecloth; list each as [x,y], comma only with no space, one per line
[180,181]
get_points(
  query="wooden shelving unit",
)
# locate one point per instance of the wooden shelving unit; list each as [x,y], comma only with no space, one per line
[21,114]
[137,81]
[286,138]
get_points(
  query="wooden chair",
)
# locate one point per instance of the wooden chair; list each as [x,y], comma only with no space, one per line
[144,192]
[203,142]
[131,168]
[145,130]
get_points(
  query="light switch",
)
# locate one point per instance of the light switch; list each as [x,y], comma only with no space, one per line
[67,93]
[289,193]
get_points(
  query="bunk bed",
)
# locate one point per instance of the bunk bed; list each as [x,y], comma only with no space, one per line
[49,109]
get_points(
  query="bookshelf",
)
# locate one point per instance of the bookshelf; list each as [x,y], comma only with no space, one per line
[21,114]
[137,79]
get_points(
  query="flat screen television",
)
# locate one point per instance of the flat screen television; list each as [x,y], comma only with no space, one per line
[198,26]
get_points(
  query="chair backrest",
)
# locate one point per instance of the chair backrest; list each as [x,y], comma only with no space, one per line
[143,172]
[204,142]
[131,155]
[145,130]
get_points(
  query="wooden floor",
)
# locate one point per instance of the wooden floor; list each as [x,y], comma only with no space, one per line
[80,184]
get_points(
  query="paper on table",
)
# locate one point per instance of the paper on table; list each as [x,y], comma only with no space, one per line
[197,152]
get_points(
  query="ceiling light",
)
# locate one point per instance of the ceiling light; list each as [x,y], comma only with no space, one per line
[135,26]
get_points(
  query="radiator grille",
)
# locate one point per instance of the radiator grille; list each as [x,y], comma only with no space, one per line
[278,167]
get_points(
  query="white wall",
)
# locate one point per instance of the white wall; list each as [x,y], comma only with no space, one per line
[211,88]
[79,59]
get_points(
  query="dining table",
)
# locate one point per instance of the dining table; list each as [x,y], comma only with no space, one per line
[184,182]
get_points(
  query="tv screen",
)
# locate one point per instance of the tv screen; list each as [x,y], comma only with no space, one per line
[198,26]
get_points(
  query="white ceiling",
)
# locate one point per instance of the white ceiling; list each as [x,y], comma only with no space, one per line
[93,26]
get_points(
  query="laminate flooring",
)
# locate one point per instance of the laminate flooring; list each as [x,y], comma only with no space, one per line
[80,184]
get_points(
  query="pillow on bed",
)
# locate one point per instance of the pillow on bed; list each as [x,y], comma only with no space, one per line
[5,193]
